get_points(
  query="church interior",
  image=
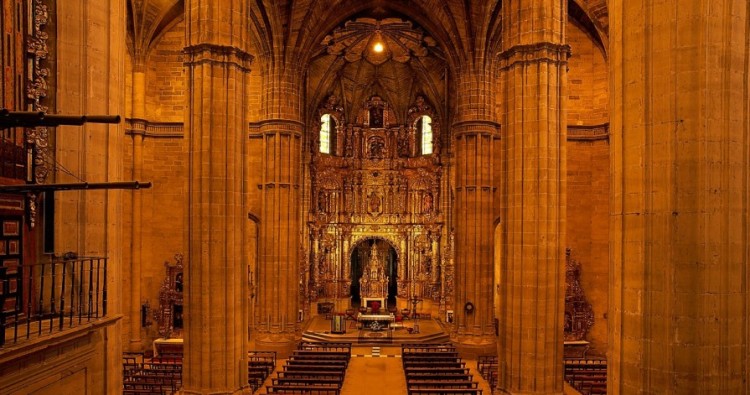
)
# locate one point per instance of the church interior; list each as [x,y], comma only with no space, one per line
[374,197]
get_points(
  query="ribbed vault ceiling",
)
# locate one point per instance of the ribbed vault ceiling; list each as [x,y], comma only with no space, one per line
[334,37]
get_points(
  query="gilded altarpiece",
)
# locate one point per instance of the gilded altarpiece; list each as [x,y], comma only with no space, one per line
[376,186]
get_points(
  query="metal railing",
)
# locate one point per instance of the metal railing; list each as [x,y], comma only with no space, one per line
[37,299]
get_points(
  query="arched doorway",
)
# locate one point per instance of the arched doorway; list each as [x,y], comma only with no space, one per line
[374,271]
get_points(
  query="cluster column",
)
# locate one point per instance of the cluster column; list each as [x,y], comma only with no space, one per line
[474,134]
[680,133]
[281,221]
[217,67]
[532,286]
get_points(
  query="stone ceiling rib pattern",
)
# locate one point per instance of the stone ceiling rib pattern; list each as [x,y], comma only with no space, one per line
[147,19]
[423,38]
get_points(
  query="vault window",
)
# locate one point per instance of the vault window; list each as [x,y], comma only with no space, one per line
[424,127]
[325,133]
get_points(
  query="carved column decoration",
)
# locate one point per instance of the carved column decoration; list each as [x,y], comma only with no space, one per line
[37,91]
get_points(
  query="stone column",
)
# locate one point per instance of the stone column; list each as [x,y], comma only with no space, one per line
[281,203]
[139,114]
[679,237]
[217,67]
[533,73]
[474,132]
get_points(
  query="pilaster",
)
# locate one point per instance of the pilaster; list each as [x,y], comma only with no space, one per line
[533,81]
[680,133]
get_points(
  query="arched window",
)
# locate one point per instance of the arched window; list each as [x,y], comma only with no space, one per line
[424,127]
[325,133]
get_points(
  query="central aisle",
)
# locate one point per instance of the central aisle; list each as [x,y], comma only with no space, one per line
[372,375]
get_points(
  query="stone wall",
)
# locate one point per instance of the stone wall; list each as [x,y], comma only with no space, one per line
[588,176]
[165,77]
[588,86]
[164,164]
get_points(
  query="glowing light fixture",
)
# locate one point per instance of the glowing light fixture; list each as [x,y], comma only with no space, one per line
[378,47]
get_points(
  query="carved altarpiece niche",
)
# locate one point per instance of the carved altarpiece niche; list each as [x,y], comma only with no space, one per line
[579,316]
[376,185]
[169,315]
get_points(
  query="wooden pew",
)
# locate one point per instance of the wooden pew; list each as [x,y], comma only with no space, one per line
[439,377]
[318,367]
[438,370]
[326,346]
[434,364]
[444,391]
[442,384]
[312,373]
[307,381]
[290,389]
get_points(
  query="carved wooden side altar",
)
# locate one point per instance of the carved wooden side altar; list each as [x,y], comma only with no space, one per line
[169,314]
[378,184]
[579,316]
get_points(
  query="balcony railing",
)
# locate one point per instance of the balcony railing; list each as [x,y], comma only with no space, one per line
[37,299]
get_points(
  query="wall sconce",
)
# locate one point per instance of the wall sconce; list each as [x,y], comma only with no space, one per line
[145,308]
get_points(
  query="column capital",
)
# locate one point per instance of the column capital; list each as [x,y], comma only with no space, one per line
[547,52]
[217,54]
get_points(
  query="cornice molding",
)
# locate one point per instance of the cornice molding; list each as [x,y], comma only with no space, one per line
[135,126]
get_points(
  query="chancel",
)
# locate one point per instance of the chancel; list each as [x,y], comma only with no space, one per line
[374,197]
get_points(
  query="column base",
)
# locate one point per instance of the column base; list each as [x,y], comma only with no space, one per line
[284,346]
[474,346]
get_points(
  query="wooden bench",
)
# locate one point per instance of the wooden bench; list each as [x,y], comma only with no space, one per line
[326,346]
[588,376]
[337,382]
[146,388]
[426,348]
[293,389]
[438,370]
[434,364]
[345,354]
[312,373]
[318,367]
[439,377]
[442,384]
[443,356]
[444,391]
[313,363]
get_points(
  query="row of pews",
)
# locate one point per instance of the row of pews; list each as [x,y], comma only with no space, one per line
[260,365]
[487,368]
[588,376]
[151,376]
[313,368]
[433,369]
